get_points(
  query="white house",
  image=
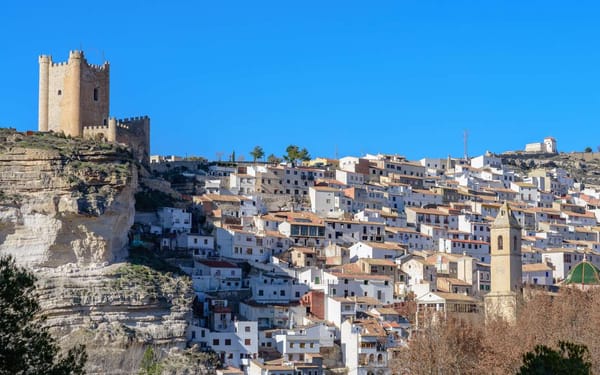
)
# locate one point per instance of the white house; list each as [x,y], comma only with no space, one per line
[474,248]
[365,349]
[276,288]
[339,309]
[238,346]
[446,304]
[242,184]
[217,276]
[345,284]
[175,220]
[347,232]
[241,245]
[325,201]
[537,274]
[421,276]
[271,315]
[349,177]
[295,343]
[486,160]
[376,250]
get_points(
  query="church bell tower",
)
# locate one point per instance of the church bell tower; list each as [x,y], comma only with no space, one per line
[505,268]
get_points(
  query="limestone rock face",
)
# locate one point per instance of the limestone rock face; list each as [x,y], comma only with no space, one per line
[66,207]
[114,310]
[64,201]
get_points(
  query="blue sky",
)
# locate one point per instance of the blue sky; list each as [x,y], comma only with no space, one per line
[404,77]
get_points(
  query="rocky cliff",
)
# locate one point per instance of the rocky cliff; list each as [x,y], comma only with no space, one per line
[582,166]
[64,201]
[116,311]
[66,207]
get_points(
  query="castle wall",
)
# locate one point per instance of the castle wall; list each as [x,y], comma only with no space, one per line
[135,132]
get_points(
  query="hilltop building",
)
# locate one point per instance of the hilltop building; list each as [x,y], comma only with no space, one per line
[547,146]
[74,99]
[506,266]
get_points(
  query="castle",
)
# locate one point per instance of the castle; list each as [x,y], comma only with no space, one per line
[74,99]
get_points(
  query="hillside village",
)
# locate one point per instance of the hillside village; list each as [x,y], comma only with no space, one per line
[305,266]
[298,266]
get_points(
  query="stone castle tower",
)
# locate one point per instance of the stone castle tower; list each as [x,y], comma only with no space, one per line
[72,94]
[506,267]
[74,99]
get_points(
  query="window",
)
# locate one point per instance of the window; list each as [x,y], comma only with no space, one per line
[215,342]
[500,243]
[59,92]
[247,329]
[227,341]
[247,342]
[95,94]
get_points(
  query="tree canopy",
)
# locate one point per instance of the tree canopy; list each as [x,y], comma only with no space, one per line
[570,359]
[26,346]
[272,159]
[257,153]
[294,154]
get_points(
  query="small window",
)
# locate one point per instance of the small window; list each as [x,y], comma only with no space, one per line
[247,329]
[96,94]
[247,342]
[59,92]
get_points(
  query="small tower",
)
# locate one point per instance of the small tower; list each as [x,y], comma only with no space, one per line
[506,267]
[550,145]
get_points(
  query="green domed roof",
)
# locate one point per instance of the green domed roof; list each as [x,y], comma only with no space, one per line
[584,273]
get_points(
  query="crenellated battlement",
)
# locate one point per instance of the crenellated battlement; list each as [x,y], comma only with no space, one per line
[96,127]
[133,119]
[74,55]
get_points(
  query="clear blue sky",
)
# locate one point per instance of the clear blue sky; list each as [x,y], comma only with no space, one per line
[401,77]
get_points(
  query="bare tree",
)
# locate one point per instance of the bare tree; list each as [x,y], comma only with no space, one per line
[458,346]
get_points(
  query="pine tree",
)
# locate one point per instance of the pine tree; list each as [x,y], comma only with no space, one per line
[26,346]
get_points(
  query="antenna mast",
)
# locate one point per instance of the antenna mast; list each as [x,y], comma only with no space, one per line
[466,143]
